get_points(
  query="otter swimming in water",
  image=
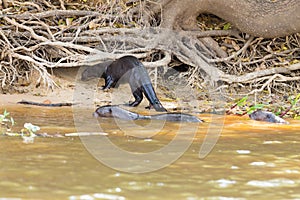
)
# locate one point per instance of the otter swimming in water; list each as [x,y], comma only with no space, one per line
[260,115]
[117,112]
[126,69]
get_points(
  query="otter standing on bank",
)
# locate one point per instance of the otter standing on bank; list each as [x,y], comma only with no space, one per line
[126,69]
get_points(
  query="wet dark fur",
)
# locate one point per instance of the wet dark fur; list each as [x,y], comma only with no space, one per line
[117,112]
[126,69]
[260,115]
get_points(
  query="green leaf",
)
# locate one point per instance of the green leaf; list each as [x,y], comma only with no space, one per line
[5,113]
[12,121]
[61,22]
[296,100]
[242,101]
[255,107]
[226,26]
[297,117]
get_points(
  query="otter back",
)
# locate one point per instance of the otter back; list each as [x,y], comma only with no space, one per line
[127,69]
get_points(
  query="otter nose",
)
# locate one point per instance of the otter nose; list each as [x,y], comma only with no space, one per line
[95,114]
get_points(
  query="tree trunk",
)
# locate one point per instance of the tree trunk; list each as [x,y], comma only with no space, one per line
[263,18]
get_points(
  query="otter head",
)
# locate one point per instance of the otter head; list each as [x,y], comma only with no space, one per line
[95,71]
[104,111]
[87,75]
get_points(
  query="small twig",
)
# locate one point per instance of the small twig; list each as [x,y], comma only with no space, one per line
[267,83]
[62,4]
[272,78]
[76,35]
[214,33]
[28,4]
[286,111]
[293,103]
[247,44]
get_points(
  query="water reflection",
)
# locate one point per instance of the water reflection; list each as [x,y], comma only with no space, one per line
[251,160]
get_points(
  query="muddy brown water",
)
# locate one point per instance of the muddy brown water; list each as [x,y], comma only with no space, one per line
[251,160]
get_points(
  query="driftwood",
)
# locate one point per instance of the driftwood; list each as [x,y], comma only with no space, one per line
[45,104]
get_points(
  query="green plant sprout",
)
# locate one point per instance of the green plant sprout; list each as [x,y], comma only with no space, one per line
[254,108]
[292,107]
[27,133]
[6,122]
[227,26]
[242,102]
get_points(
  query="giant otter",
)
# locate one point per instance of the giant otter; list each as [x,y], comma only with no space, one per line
[126,69]
[260,115]
[117,112]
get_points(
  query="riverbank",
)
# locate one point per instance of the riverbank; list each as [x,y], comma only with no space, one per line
[173,97]
[87,94]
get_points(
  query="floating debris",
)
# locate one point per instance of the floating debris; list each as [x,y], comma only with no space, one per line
[261,163]
[97,196]
[272,142]
[223,183]
[272,183]
[243,151]
[85,134]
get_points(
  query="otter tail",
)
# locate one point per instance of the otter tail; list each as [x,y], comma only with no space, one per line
[146,85]
[152,98]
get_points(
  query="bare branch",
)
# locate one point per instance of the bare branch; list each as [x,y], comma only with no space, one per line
[247,44]
[53,13]
[262,73]
[34,35]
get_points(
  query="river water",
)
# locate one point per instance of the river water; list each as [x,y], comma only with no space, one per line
[248,160]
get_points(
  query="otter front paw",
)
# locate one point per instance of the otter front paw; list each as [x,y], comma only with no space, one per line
[149,107]
[104,88]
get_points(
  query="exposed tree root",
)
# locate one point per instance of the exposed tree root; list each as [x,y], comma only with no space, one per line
[46,35]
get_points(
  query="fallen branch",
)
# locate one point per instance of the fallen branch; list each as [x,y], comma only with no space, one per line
[262,73]
[45,104]
[57,13]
